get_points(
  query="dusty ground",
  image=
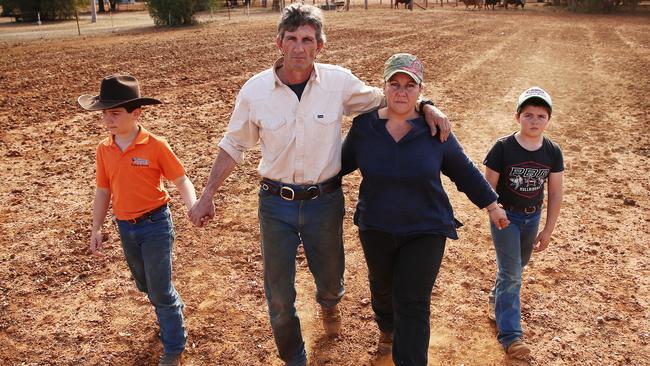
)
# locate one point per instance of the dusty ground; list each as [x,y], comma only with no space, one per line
[585,299]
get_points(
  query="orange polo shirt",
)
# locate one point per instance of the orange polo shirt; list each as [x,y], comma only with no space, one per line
[134,177]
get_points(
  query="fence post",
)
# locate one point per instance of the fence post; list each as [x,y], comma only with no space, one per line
[76,15]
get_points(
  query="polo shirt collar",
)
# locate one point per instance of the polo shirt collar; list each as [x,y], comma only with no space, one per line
[140,139]
[315,75]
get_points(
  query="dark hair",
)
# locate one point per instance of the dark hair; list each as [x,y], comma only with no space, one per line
[296,15]
[130,107]
[537,102]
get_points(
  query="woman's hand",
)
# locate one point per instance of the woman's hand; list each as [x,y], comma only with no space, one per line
[498,216]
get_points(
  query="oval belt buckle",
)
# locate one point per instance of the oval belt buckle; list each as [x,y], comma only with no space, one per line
[287,189]
[314,191]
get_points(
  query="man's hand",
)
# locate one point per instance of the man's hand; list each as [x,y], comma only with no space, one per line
[437,120]
[542,240]
[96,243]
[499,218]
[202,211]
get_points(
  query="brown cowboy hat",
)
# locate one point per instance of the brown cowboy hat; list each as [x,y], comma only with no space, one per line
[115,91]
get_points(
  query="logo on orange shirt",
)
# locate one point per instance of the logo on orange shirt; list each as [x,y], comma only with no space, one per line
[139,161]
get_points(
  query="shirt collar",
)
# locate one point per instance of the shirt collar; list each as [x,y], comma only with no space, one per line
[315,74]
[418,125]
[140,139]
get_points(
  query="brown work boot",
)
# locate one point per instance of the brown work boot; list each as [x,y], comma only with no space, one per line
[170,359]
[385,344]
[331,320]
[491,312]
[518,349]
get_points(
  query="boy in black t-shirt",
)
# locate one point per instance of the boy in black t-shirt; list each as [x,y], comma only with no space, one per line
[517,167]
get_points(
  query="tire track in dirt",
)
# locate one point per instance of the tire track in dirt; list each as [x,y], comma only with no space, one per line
[557,75]
[420,44]
[461,338]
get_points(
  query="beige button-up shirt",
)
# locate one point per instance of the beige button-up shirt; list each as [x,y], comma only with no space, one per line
[300,140]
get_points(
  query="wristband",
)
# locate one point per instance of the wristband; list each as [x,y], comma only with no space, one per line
[423,103]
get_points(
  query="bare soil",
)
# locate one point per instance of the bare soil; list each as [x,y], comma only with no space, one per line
[585,299]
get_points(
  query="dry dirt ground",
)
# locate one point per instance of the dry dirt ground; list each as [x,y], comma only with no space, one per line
[586,299]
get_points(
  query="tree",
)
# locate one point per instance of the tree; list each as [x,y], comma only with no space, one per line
[176,12]
[29,10]
[601,6]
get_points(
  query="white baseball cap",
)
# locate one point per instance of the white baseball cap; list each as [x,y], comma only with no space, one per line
[534,92]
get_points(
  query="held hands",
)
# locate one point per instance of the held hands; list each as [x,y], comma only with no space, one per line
[202,211]
[437,120]
[542,240]
[498,216]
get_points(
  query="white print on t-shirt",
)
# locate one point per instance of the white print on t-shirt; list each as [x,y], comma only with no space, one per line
[139,162]
[527,179]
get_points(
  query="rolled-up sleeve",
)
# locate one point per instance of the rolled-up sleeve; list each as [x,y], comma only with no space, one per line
[242,133]
[359,97]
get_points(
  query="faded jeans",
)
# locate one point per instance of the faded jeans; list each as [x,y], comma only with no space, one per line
[147,248]
[317,224]
[514,247]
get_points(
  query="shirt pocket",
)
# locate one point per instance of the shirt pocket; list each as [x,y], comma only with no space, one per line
[326,119]
[275,134]
[272,122]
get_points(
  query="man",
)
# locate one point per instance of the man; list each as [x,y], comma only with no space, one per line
[295,110]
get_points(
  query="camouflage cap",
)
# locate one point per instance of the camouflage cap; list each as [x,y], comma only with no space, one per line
[534,92]
[406,63]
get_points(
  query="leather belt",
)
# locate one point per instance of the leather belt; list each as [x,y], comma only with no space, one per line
[292,192]
[527,210]
[146,215]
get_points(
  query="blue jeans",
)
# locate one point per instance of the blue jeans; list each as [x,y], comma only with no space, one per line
[401,272]
[514,247]
[318,224]
[147,248]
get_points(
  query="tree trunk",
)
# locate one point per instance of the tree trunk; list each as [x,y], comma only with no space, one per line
[101,6]
[276,5]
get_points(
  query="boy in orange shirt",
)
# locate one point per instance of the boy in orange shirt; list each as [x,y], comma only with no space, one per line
[130,165]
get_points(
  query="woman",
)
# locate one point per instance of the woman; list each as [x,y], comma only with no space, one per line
[403,213]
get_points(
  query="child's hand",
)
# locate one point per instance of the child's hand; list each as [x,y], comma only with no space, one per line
[96,242]
[542,241]
[202,211]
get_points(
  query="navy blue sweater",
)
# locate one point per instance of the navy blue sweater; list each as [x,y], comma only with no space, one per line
[401,192]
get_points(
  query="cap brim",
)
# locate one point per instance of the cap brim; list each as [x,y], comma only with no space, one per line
[92,102]
[550,106]
[412,75]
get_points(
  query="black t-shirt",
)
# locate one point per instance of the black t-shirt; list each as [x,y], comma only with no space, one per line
[522,173]
[298,88]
